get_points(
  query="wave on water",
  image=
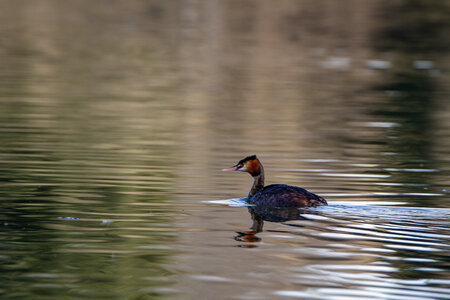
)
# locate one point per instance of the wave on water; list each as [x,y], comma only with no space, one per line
[391,212]
[357,210]
[233,202]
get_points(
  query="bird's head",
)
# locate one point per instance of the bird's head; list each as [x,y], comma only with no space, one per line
[250,164]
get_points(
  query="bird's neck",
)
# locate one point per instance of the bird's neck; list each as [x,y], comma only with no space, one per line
[258,183]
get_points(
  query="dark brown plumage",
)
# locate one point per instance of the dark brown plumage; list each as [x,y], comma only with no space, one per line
[277,195]
[286,195]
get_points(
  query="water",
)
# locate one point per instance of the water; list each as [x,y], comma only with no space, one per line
[116,119]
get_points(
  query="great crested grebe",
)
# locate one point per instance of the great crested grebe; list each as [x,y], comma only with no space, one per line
[279,195]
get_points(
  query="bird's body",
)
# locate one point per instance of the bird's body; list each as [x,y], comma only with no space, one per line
[276,195]
[286,195]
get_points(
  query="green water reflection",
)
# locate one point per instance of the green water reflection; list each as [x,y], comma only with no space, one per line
[412,88]
[116,117]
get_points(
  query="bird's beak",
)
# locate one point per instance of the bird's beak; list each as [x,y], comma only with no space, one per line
[235,168]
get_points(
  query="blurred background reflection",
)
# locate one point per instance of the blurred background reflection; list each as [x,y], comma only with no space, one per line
[117,116]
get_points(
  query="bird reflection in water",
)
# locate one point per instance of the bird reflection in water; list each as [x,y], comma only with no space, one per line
[259,214]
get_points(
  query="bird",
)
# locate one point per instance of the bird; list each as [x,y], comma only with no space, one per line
[275,195]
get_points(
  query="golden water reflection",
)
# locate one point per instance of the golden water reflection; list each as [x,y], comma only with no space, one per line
[117,117]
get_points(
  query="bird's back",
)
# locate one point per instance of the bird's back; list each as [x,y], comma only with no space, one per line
[282,195]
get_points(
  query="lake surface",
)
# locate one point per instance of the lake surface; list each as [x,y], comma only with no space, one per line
[116,118]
